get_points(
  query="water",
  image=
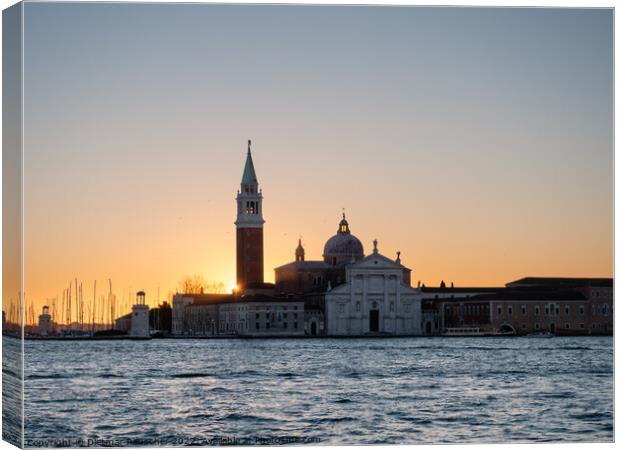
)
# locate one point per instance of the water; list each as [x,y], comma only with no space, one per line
[321,391]
[12,390]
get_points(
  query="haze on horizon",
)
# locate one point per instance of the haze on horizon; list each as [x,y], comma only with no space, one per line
[476,141]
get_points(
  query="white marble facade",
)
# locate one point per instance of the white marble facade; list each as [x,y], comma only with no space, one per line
[374,300]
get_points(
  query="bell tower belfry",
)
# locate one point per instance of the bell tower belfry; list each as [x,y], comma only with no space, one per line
[249,227]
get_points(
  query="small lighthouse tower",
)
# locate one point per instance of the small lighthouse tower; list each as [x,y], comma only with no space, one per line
[140,317]
[45,322]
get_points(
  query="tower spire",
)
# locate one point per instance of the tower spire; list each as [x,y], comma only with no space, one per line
[300,253]
[249,174]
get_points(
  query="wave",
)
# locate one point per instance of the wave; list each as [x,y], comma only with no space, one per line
[57,376]
[191,375]
[592,416]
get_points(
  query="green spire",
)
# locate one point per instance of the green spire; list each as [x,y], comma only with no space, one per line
[249,175]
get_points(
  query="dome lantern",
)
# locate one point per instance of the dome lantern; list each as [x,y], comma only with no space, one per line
[344,226]
[343,247]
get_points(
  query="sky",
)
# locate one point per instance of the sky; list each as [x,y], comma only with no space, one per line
[476,141]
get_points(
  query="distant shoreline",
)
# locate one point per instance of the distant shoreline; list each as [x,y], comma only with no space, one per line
[134,338]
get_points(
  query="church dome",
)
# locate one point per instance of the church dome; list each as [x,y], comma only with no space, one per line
[343,246]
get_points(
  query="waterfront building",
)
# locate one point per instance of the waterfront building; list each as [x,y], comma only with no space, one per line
[375,299]
[249,315]
[563,306]
[123,323]
[259,315]
[140,317]
[434,300]
[45,322]
[196,314]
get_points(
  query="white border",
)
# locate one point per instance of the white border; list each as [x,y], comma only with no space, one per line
[479,3]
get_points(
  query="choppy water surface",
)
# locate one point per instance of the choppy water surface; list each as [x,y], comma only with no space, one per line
[12,390]
[340,391]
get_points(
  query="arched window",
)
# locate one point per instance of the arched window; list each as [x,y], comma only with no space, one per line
[392,307]
[358,307]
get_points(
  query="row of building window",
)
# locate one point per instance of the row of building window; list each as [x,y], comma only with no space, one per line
[566,325]
[233,314]
[358,307]
[555,310]
[268,325]
[284,315]
[233,326]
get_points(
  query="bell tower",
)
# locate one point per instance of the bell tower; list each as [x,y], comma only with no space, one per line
[249,227]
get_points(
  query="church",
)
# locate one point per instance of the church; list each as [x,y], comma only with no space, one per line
[353,294]
[344,294]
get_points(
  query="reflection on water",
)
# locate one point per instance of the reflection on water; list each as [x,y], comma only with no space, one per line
[332,391]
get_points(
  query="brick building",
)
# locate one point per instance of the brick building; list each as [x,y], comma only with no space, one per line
[562,306]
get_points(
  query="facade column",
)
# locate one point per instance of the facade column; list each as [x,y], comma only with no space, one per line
[365,305]
[386,302]
[397,281]
[352,300]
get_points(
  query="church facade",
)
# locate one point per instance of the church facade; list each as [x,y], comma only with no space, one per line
[375,299]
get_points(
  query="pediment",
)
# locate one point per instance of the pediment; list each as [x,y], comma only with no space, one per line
[377,261]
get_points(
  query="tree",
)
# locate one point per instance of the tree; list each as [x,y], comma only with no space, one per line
[198,285]
[160,318]
[215,288]
[192,284]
